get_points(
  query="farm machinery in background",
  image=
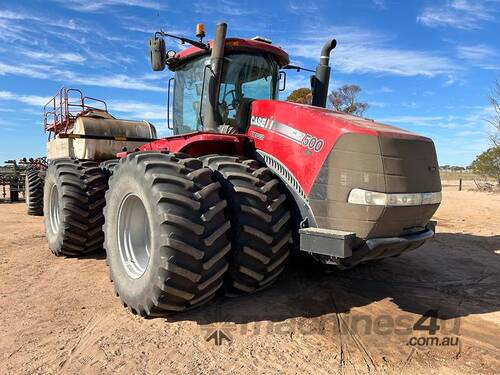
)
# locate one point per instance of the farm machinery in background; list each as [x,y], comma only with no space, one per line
[26,177]
[244,181]
[11,177]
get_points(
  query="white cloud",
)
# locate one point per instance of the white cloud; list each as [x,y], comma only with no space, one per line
[141,29]
[138,110]
[469,133]
[105,60]
[410,104]
[23,70]
[377,104]
[381,90]
[100,5]
[121,81]
[472,119]
[461,14]
[301,7]
[131,110]
[72,78]
[46,21]
[33,100]
[3,109]
[475,52]
[9,32]
[226,7]
[60,57]
[413,120]
[364,51]
[479,55]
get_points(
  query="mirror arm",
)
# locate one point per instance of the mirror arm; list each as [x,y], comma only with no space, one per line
[184,40]
[298,68]
[172,62]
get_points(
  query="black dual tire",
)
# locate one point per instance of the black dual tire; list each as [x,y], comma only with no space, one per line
[261,232]
[174,204]
[33,191]
[108,167]
[72,207]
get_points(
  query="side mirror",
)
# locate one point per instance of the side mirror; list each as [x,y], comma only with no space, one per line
[282,81]
[157,54]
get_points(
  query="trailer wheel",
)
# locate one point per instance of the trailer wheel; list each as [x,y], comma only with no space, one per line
[33,192]
[260,222]
[165,233]
[73,199]
[14,192]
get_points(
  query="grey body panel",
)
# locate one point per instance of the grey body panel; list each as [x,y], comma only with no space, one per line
[375,163]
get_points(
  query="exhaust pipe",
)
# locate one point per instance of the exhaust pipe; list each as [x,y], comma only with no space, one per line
[212,119]
[321,78]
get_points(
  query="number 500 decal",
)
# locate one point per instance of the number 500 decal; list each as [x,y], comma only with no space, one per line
[313,143]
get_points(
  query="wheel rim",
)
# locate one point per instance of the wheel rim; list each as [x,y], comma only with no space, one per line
[26,190]
[134,236]
[54,211]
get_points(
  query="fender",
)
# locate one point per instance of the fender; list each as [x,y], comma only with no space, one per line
[202,143]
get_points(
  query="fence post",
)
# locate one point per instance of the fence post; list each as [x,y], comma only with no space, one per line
[460,184]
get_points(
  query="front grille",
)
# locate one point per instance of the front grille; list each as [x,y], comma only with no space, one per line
[384,164]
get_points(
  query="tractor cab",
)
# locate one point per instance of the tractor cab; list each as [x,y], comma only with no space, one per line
[215,83]
[245,77]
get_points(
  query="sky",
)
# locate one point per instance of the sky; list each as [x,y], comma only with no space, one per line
[426,66]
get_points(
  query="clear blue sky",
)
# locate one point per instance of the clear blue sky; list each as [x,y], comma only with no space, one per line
[427,66]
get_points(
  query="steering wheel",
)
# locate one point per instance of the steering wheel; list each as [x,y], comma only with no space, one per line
[230,105]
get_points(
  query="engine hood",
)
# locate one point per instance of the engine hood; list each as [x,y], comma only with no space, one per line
[302,136]
[322,155]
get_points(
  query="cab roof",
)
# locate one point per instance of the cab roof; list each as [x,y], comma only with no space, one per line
[237,45]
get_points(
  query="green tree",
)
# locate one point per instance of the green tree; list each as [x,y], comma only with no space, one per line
[302,96]
[345,99]
[488,163]
[494,133]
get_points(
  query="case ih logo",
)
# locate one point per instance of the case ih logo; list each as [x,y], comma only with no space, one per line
[307,140]
[262,122]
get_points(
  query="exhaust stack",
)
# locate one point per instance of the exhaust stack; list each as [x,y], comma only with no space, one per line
[212,119]
[321,78]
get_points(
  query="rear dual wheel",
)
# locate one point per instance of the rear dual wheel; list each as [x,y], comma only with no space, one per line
[33,192]
[73,200]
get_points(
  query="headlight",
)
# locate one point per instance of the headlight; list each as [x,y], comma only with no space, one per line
[373,198]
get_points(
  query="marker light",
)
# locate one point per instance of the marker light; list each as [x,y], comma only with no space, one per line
[373,198]
[200,30]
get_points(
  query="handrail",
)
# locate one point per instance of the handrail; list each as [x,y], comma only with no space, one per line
[60,114]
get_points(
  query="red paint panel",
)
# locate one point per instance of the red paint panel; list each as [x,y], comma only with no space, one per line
[313,125]
[198,144]
[233,44]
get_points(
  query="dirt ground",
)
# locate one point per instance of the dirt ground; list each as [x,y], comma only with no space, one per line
[60,315]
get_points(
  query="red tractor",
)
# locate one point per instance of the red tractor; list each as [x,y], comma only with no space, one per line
[244,180]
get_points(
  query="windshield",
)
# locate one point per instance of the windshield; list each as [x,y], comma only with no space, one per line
[187,96]
[245,77]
